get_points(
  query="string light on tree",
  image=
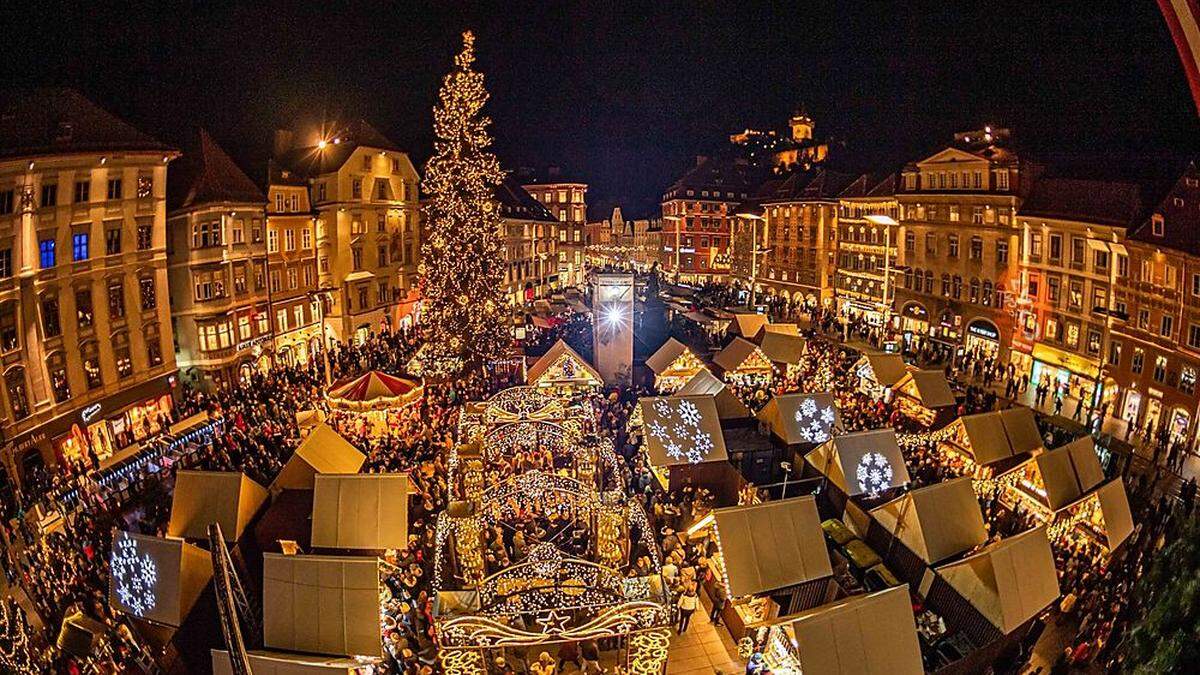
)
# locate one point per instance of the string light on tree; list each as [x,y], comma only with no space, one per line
[462,257]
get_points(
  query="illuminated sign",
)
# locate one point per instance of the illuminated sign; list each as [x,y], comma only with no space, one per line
[983,331]
[89,413]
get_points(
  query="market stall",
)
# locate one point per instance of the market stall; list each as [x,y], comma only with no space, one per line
[682,439]
[743,362]
[156,579]
[673,365]
[323,451]
[784,349]
[925,396]
[932,523]
[866,463]
[1102,517]
[321,604]
[1008,581]
[878,373]
[802,418]
[1021,428]
[874,633]
[227,498]
[704,383]
[360,511]
[981,443]
[563,371]
[747,324]
[1053,479]
[772,559]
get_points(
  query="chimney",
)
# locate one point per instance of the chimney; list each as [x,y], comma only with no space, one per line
[283,142]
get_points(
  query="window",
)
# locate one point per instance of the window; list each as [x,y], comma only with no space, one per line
[50,194]
[276,285]
[1072,340]
[79,246]
[9,337]
[1114,353]
[1157,226]
[1122,265]
[1053,290]
[1194,336]
[356,188]
[244,327]
[1056,247]
[1035,246]
[946,285]
[974,290]
[208,284]
[1002,179]
[383,255]
[215,336]
[238,234]
[1170,277]
[1077,251]
[153,346]
[1075,294]
[145,186]
[1139,360]
[356,258]
[51,324]
[279,202]
[5,263]
[977,215]
[289,239]
[56,366]
[930,243]
[956,287]
[976,248]
[1093,342]
[90,351]
[116,300]
[1100,260]
[83,191]
[281,320]
[362,297]
[308,276]
[1147,271]
[272,240]
[147,292]
[1160,368]
[1099,297]
[145,236]
[121,355]
[18,400]
[1167,326]
[1051,328]
[1143,319]
[953,252]
[112,241]
[306,238]
[1187,380]
[293,278]
[114,188]
[84,316]
[46,253]
[954,213]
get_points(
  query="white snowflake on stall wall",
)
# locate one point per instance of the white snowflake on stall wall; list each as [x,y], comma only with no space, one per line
[135,576]
[874,473]
[662,408]
[813,421]
[689,413]
[678,429]
[658,430]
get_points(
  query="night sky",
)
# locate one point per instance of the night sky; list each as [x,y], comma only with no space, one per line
[624,95]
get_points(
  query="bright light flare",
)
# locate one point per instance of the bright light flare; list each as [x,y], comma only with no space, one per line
[613,316]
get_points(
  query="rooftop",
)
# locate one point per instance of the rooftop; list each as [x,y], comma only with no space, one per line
[57,121]
[207,175]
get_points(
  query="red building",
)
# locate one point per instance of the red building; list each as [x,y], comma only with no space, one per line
[698,212]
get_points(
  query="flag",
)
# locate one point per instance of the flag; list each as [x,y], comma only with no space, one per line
[1183,18]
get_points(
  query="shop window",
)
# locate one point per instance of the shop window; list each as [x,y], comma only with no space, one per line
[18,397]
[121,355]
[90,352]
[56,367]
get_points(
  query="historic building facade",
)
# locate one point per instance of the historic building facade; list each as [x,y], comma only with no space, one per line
[85,329]
[293,285]
[567,201]
[959,252]
[867,247]
[215,254]
[531,244]
[364,191]
[698,212]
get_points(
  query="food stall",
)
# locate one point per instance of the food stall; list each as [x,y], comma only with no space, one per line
[925,396]
[878,373]
[704,383]
[869,633]
[561,370]
[981,443]
[784,349]
[682,439]
[743,362]
[867,463]
[802,418]
[932,523]
[1102,518]
[673,365]
[772,559]
[1053,479]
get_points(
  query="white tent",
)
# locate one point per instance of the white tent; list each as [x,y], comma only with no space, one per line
[981,437]
[747,325]
[360,511]
[742,355]
[872,634]
[704,383]
[802,418]
[227,498]
[323,451]
[927,387]
[937,521]
[561,365]
[307,419]
[782,347]
[1021,428]
[156,579]
[883,369]
[867,462]
[279,663]
[771,545]
[321,604]
[681,430]
[1010,581]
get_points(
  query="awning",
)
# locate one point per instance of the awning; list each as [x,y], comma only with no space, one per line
[771,545]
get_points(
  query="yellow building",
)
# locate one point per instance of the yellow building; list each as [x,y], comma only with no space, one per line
[291,252]
[567,201]
[531,244]
[85,329]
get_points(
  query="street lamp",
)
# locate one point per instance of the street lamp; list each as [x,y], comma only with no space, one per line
[754,213]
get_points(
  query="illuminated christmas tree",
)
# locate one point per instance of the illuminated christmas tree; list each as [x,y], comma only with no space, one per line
[462,260]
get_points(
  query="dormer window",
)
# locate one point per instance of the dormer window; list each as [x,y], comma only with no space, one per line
[1157,226]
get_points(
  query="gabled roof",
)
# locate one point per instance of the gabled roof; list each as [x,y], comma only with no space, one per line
[771,545]
[704,383]
[886,368]
[1181,221]
[747,324]
[57,121]
[738,352]
[205,174]
[518,204]
[1010,581]
[1069,472]
[681,430]
[666,356]
[1021,429]
[782,347]
[802,417]
[560,350]
[1114,508]
[937,521]
[849,461]
[871,634]
[322,451]
[227,498]
[310,162]
[1103,202]
[929,387]
[722,174]
[885,187]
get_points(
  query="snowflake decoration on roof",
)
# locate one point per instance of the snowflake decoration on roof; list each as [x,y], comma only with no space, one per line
[662,407]
[813,421]
[689,413]
[673,449]
[657,430]
[135,576]
[874,473]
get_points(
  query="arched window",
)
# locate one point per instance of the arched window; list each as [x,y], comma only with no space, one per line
[56,368]
[18,396]
[90,352]
[121,355]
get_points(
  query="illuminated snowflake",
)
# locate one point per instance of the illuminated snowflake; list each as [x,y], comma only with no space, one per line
[807,409]
[827,416]
[814,433]
[874,473]
[681,431]
[689,413]
[658,429]
[135,576]
[673,449]
[813,421]
[662,407]
[702,444]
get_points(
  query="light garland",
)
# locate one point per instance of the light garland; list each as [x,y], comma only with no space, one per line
[16,654]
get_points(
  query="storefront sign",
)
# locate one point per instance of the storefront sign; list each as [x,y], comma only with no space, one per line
[984,331]
[253,342]
[89,413]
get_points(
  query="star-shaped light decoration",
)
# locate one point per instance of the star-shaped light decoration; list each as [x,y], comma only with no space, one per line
[814,422]
[553,621]
[135,576]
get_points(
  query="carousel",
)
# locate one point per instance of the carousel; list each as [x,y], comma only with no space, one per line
[375,397]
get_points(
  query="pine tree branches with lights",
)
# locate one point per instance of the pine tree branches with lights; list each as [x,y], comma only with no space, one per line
[462,260]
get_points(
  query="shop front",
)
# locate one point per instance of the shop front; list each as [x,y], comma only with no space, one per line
[107,427]
[1062,370]
[983,338]
[914,323]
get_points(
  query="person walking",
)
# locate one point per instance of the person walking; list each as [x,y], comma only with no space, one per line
[719,598]
[687,603]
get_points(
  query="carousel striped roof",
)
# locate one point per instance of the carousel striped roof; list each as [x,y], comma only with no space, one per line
[372,386]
